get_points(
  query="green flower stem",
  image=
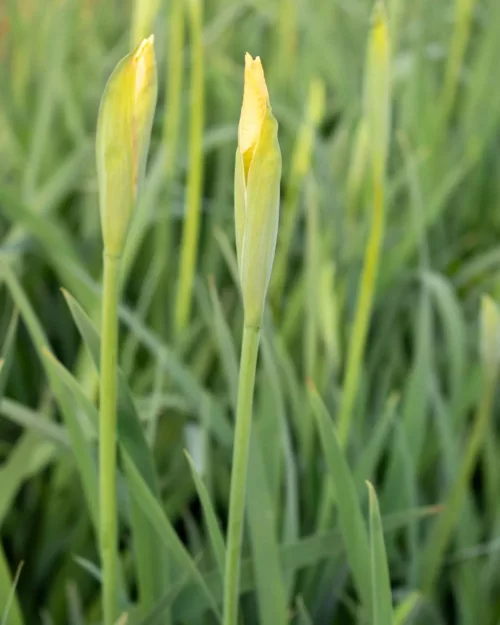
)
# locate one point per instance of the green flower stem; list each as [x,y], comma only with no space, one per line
[378,113]
[194,191]
[107,437]
[464,11]
[171,134]
[248,364]
[363,312]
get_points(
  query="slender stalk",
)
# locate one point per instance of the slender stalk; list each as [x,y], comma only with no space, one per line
[189,245]
[356,172]
[311,313]
[301,165]
[312,270]
[248,364]
[286,48]
[378,113]
[107,437]
[363,312]
[144,14]
[463,21]
[171,134]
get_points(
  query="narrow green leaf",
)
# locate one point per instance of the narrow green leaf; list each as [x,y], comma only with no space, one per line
[381,583]
[415,402]
[442,530]
[351,520]
[306,552]
[145,498]
[29,456]
[211,521]
[34,421]
[150,557]
[304,618]
[169,362]
[48,233]
[7,353]
[140,491]
[453,324]
[375,446]
[143,20]
[406,608]
[75,608]
[131,432]
[227,352]
[261,514]
[291,515]
[227,251]
[11,610]
[81,449]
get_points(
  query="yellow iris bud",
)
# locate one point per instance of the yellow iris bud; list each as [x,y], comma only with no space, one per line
[257,191]
[122,141]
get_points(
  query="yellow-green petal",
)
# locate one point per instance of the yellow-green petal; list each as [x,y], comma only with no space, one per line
[122,141]
[239,203]
[260,221]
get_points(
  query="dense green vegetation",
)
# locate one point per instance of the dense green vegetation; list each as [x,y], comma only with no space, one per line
[423,423]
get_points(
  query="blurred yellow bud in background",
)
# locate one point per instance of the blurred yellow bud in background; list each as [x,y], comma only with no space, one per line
[377,88]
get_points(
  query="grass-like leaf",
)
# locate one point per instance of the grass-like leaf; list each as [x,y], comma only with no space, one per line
[351,520]
[381,584]
[211,521]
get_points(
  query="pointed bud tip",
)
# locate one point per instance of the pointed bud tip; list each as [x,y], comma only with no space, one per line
[255,71]
[145,64]
[254,107]
[249,60]
[144,53]
[145,46]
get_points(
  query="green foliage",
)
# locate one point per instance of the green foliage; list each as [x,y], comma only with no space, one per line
[422,412]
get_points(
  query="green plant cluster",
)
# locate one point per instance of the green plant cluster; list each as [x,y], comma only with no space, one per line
[379,346]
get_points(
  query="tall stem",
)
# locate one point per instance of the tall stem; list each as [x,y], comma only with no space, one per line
[171,134]
[248,364]
[190,234]
[363,311]
[107,437]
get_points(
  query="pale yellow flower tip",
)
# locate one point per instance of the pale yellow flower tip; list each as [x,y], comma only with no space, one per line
[253,109]
[144,59]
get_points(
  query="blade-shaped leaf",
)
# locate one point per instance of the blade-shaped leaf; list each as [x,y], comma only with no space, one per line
[142,494]
[11,610]
[351,519]
[83,453]
[145,498]
[193,391]
[150,557]
[211,521]
[7,352]
[261,514]
[381,584]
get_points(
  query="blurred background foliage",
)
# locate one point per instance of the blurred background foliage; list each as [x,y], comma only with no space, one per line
[423,383]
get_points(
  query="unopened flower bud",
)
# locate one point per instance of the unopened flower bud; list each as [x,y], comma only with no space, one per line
[257,191]
[122,142]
